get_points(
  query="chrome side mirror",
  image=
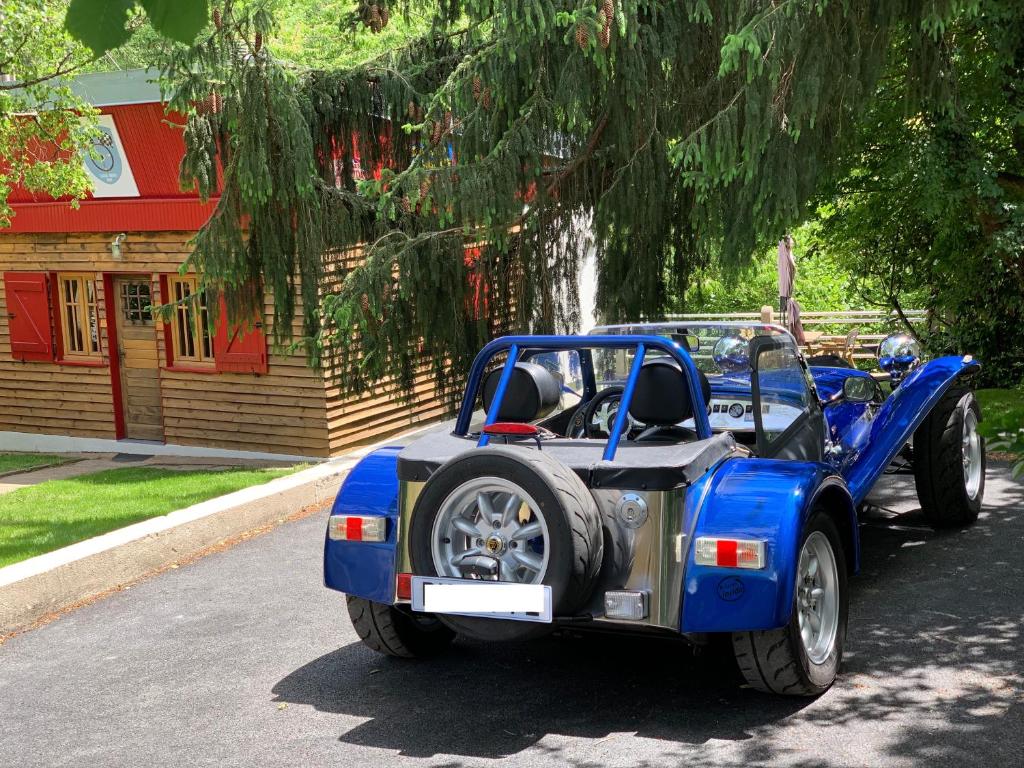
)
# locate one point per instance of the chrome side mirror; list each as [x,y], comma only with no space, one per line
[858,389]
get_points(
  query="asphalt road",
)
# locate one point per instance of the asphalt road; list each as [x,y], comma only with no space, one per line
[243,659]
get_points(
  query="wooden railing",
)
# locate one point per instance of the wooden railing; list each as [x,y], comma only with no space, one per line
[829,332]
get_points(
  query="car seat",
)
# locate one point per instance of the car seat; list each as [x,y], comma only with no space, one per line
[662,400]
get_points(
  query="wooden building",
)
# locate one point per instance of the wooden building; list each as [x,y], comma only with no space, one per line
[81,356]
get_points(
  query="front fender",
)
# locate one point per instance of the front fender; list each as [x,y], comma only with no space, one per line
[360,568]
[874,445]
[769,500]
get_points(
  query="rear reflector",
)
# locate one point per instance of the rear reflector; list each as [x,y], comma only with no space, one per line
[403,586]
[729,553]
[623,604]
[356,528]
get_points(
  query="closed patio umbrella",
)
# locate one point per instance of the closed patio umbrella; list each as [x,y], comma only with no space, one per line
[788,306]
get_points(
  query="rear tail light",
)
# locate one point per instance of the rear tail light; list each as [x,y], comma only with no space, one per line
[729,553]
[356,528]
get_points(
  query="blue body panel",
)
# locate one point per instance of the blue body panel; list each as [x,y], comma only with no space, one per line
[360,568]
[870,445]
[763,499]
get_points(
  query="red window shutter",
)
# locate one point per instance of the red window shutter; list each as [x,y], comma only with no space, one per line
[237,349]
[28,315]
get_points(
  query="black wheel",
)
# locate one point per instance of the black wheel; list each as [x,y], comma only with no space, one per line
[803,657]
[394,632]
[949,461]
[512,514]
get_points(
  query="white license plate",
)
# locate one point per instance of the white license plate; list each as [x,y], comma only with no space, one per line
[490,599]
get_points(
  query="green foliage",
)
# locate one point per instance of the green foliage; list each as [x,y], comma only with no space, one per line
[675,137]
[823,280]
[932,205]
[104,24]
[1003,425]
[43,125]
[679,129]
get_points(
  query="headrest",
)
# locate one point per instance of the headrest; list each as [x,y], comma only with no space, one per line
[661,397]
[532,393]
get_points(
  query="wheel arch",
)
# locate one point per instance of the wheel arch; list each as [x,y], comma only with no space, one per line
[361,568]
[834,499]
[769,500]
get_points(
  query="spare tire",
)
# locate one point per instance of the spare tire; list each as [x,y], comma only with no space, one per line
[514,514]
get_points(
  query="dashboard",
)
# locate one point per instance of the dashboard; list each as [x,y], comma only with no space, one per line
[736,414]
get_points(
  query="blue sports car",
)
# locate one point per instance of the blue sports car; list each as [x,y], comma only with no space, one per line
[691,479]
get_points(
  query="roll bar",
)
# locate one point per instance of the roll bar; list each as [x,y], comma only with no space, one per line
[640,345]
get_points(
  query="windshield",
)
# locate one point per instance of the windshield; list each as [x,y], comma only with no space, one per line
[717,349]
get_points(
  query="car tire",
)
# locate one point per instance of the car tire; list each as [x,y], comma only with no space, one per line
[570,512]
[777,660]
[392,631]
[950,494]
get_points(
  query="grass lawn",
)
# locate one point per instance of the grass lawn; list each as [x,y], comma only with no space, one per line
[995,401]
[56,513]
[12,462]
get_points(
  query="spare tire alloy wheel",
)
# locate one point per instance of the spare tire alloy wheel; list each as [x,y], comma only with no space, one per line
[491,524]
[511,514]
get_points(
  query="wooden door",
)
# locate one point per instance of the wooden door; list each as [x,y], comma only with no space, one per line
[137,351]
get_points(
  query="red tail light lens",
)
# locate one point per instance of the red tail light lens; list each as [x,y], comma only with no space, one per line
[729,553]
[357,528]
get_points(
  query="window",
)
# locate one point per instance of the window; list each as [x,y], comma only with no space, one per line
[78,317]
[136,299]
[190,330]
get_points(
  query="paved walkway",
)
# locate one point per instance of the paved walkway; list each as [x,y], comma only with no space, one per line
[244,659]
[87,463]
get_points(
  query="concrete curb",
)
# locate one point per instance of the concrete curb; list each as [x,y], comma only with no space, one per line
[33,588]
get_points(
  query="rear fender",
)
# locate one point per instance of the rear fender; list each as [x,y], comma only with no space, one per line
[359,568]
[872,448]
[768,500]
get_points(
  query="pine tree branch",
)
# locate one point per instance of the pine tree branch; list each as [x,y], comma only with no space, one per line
[588,150]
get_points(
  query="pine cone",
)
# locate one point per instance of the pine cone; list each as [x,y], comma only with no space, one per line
[582,36]
[364,302]
[435,132]
[446,124]
[257,42]
[411,109]
[486,98]
[217,20]
[605,16]
[477,88]
[385,16]
[424,188]
[376,23]
[215,103]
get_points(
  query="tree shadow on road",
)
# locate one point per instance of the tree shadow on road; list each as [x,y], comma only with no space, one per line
[934,666]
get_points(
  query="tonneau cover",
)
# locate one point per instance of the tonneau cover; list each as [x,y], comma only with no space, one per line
[637,466]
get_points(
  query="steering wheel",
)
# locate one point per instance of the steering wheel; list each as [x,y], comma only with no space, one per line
[599,415]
